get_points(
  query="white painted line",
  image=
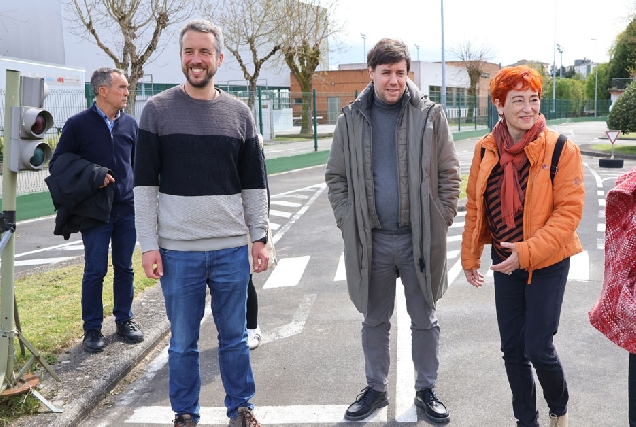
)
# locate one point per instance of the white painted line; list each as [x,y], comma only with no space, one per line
[600,227]
[293,196]
[300,213]
[341,272]
[266,415]
[601,202]
[452,254]
[456,238]
[600,193]
[296,325]
[42,261]
[274,226]
[454,271]
[461,213]
[274,212]
[404,389]
[76,245]
[285,203]
[597,177]
[601,213]
[457,224]
[600,244]
[580,266]
[287,273]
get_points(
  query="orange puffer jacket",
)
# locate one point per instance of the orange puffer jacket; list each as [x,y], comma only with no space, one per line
[552,210]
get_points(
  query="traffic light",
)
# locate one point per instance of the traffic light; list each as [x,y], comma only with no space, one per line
[29,123]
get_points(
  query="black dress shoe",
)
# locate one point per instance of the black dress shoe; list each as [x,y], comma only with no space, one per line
[366,402]
[129,331]
[93,341]
[433,407]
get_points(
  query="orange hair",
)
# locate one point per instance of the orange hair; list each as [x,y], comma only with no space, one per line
[510,78]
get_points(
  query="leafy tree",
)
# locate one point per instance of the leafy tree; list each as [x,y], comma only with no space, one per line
[622,115]
[251,29]
[128,31]
[623,62]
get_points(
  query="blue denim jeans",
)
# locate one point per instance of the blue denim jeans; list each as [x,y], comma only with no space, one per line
[528,318]
[120,232]
[185,277]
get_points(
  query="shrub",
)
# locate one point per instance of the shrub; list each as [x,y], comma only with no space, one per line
[623,114]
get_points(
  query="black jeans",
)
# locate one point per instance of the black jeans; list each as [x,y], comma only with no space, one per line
[528,317]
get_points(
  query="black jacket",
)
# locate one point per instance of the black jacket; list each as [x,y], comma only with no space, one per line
[80,203]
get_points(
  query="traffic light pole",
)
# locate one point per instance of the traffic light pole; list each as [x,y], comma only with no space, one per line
[9,185]
[8,331]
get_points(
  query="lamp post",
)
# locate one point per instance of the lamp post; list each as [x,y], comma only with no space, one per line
[595,86]
[364,48]
[560,49]
[554,64]
[417,47]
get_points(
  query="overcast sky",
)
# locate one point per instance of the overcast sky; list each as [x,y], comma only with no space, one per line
[511,30]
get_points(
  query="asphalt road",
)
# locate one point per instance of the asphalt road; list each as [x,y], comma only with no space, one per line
[310,366]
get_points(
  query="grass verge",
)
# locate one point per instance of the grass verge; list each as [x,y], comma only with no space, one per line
[618,148]
[49,308]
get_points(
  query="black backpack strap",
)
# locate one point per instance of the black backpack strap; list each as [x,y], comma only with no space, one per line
[554,168]
[483,151]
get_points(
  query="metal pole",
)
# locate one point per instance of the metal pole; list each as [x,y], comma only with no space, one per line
[7,294]
[595,89]
[364,48]
[443,61]
[554,64]
[260,111]
[315,125]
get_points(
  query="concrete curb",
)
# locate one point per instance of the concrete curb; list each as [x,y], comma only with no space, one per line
[87,378]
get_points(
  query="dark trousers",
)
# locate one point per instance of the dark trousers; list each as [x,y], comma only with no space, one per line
[120,235]
[632,390]
[528,317]
[252,306]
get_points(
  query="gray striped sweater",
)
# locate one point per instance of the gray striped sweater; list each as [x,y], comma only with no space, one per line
[200,180]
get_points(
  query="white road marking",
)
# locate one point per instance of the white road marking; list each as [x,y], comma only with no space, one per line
[274,226]
[296,325]
[281,232]
[600,193]
[601,202]
[74,246]
[274,212]
[42,261]
[597,177]
[600,227]
[452,254]
[601,213]
[454,271]
[600,243]
[285,203]
[267,415]
[580,266]
[341,272]
[288,272]
[457,224]
[456,238]
[404,391]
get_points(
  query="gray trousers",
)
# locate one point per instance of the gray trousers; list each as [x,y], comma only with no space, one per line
[391,252]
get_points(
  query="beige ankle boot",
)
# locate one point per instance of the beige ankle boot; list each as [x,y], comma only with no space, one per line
[561,421]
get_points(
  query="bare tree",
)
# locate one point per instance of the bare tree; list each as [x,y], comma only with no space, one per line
[305,42]
[251,29]
[128,31]
[474,58]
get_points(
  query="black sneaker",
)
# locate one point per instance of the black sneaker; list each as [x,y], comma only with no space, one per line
[130,332]
[433,407]
[367,401]
[93,341]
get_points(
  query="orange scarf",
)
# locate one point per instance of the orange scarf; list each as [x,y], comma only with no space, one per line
[512,158]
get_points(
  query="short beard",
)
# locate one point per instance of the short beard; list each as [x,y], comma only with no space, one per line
[203,83]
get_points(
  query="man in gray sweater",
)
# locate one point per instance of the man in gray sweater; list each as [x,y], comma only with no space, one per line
[393,179]
[199,188]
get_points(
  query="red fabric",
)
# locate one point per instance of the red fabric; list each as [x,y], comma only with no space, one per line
[512,159]
[615,312]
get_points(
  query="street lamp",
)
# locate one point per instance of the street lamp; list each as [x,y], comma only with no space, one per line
[364,48]
[560,49]
[595,86]
[417,47]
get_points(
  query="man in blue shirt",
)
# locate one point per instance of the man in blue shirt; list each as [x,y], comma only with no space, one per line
[105,136]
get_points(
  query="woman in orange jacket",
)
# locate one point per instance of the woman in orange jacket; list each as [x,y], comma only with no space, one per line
[529,217]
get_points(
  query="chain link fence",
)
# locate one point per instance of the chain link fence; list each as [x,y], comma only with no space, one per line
[280,112]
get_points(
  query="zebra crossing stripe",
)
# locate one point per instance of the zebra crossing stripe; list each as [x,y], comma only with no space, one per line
[288,272]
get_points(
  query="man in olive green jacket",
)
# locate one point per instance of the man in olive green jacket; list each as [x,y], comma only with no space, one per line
[393,179]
